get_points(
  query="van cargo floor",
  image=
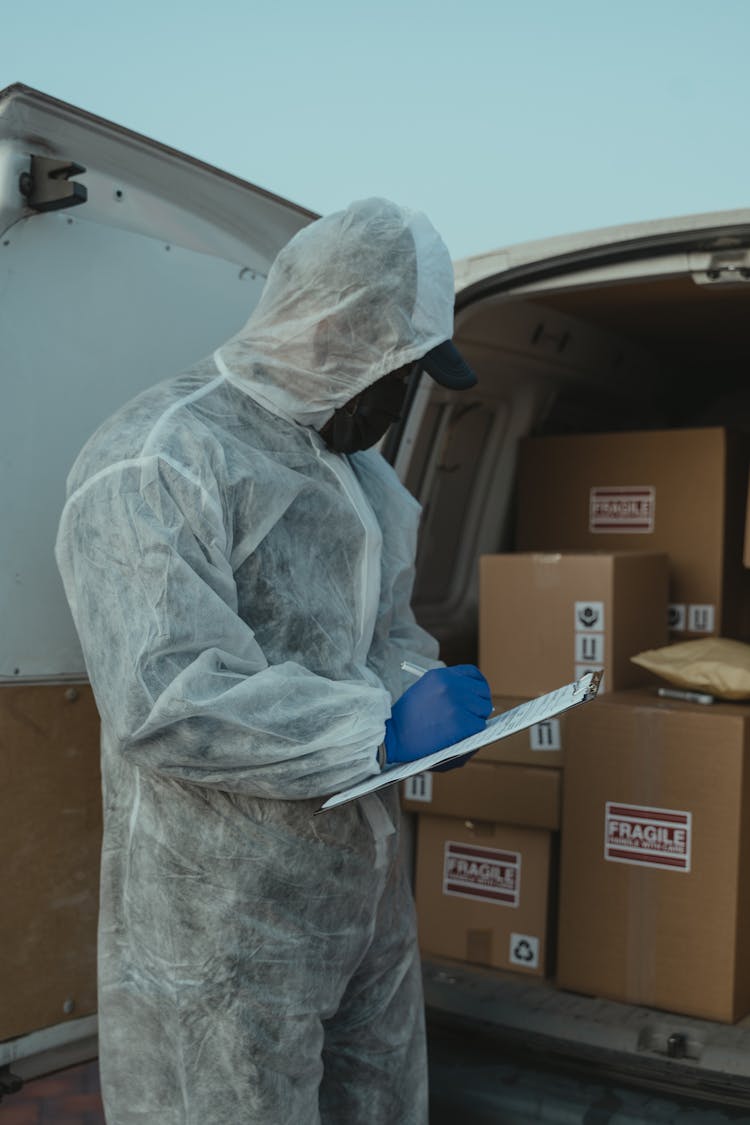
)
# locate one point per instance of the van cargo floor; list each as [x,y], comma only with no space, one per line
[525,1017]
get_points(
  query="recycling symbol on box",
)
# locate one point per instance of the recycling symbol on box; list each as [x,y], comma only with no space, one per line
[524,950]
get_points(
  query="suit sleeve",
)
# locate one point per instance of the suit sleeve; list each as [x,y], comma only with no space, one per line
[178,676]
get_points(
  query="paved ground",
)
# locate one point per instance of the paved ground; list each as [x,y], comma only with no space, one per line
[68,1098]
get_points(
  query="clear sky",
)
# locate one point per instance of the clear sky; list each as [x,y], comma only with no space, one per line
[504,120]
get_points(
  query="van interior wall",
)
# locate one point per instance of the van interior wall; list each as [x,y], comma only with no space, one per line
[652,354]
[695,334]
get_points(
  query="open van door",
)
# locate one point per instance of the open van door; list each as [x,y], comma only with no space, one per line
[122,262]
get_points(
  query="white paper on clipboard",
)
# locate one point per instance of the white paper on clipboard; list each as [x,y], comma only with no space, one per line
[500,726]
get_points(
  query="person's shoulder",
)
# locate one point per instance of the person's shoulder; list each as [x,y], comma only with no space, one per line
[157,422]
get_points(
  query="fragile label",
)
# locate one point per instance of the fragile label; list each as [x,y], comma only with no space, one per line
[418,787]
[482,873]
[627,509]
[648,837]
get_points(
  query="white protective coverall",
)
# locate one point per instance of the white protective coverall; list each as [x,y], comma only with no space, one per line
[242,598]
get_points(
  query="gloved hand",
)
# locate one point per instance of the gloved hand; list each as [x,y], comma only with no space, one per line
[442,707]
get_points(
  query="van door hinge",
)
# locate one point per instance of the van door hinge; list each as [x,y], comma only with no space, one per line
[46,186]
[727,267]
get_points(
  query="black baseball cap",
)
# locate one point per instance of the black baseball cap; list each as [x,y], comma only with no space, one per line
[447,367]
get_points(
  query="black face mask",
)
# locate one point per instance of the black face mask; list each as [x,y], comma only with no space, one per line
[363,421]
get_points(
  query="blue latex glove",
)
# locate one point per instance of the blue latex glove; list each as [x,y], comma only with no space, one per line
[442,707]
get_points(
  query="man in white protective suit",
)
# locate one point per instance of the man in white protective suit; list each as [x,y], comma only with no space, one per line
[239,563]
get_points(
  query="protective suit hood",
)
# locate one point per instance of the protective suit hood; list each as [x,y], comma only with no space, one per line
[351,297]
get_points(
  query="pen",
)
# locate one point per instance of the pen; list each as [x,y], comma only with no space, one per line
[690,696]
[412,669]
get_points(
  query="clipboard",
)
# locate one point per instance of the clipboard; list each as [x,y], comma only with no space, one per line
[518,718]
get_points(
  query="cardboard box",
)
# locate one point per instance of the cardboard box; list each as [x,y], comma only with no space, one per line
[482,893]
[544,619]
[540,745]
[509,794]
[682,492]
[655,878]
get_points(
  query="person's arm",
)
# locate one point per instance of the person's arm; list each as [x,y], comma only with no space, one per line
[415,646]
[399,515]
[178,676]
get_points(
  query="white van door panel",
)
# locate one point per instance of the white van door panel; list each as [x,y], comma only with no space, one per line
[164,260]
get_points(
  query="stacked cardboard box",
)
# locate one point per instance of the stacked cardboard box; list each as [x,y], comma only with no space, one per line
[545,619]
[655,877]
[485,889]
[487,835]
[486,863]
[483,892]
[681,492]
[614,531]
[488,791]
